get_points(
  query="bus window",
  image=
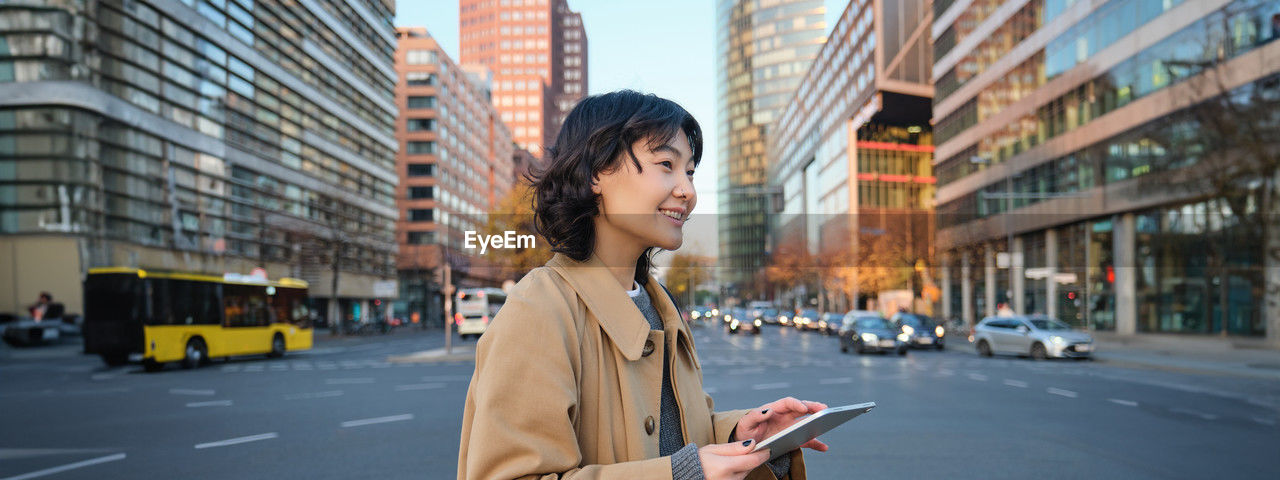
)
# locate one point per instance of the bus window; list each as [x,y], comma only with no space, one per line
[195,303]
[233,306]
[160,313]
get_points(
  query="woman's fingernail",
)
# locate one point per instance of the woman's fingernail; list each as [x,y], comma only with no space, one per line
[747,443]
[762,412]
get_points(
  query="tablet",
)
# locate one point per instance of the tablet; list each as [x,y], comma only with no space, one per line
[810,428]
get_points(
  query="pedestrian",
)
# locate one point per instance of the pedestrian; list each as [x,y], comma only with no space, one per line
[1003,310]
[588,370]
[41,307]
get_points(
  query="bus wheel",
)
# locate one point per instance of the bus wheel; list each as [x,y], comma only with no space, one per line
[277,346]
[197,353]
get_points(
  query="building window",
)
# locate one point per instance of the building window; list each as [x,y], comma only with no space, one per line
[420,57]
[420,79]
[420,148]
[421,169]
[422,238]
[421,193]
[421,124]
[420,214]
[428,101]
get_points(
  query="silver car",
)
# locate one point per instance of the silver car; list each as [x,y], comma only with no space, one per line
[1038,336]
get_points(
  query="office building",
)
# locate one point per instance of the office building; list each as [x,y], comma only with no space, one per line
[1071,136]
[208,136]
[851,153]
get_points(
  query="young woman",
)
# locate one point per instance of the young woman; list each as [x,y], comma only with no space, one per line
[589,371]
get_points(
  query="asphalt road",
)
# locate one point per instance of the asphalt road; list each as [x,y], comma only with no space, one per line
[341,411]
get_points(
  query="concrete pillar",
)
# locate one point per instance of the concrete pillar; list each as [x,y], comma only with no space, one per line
[1051,262]
[946,286]
[364,311]
[1018,280]
[966,289]
[1126,275]
[989,279]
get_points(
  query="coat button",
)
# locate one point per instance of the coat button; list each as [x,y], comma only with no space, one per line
[648,348]
[648,425]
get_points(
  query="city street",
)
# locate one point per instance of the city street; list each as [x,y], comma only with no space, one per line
[342,411]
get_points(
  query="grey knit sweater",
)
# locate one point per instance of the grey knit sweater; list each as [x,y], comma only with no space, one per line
[685,463]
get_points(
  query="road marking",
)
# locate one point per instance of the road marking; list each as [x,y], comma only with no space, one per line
[709,390]
[978,376]
[1202,415]
[215,403]
[1015,383]
[69,466]
[1265,421]
[237,440]
[348,381]
[1127,403]
[446,378]
[1065,393]
[418,386]
[746,371]
[253,369]
[303,396]
[103,376]
[188,391]
[231,368]
[833,381]
[371,421]
[770,386]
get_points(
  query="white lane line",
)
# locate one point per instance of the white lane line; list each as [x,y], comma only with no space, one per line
[253,369]
[102,376]
[418,386]
[231,368]
[1015,383]
[1202,415]
[1064,393]
[348,381]
[303,396]
[69,466]
[770,386]
[371,421]
[709,390]
[745,371]
[188,391]
[215,403]
[446,378]
[978,376]
[1265,421]
[237,440]
[1127,403]
[834,381]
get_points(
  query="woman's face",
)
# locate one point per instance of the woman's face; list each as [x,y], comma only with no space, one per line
[649,206]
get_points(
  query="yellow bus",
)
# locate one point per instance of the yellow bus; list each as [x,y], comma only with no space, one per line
[163,316]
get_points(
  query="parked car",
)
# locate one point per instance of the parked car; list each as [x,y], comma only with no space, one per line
[922,331]
[806,320]
[829,323]
[863,332]
[1039,337]
[741,321]
[769,315]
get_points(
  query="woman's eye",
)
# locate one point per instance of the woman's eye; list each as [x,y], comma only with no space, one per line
[689,173]
[665,163]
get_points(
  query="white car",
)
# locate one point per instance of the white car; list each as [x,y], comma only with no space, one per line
[1037,336]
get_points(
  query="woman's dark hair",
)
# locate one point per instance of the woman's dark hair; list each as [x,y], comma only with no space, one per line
[591,142]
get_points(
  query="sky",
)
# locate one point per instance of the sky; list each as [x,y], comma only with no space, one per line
[664,47]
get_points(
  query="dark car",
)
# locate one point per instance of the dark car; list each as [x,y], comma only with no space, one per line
[829,323]
[921,331]
[740,320]
[769,315]
[864,333]
[806,320]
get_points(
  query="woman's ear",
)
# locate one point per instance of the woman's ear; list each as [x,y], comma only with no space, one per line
[595,185]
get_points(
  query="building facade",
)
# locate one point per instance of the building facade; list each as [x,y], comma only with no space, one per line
[852,154]
[456,161]
[763,49]
[537,51]
[1071,138]
[200,136]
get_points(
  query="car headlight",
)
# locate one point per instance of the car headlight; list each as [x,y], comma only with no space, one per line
[715,311]
[1057,340]
[728,317]
[908,330]
[733,324]
[869,337]
[939,331]
[757,322]
[902,337]
[695,315]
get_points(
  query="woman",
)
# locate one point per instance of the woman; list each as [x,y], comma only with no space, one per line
[588,371]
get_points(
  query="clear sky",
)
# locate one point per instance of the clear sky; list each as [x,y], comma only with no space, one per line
[664,47]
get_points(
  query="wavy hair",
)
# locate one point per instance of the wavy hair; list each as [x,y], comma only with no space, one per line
[592,141]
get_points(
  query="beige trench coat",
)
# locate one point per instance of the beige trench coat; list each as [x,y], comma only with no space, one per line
[568,379]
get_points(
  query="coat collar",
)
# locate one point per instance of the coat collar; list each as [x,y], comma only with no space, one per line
[618,316]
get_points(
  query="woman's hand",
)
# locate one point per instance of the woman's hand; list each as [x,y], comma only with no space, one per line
[732,460]
[775,417]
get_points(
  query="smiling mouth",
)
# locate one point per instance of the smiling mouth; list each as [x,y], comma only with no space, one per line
[674,215]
